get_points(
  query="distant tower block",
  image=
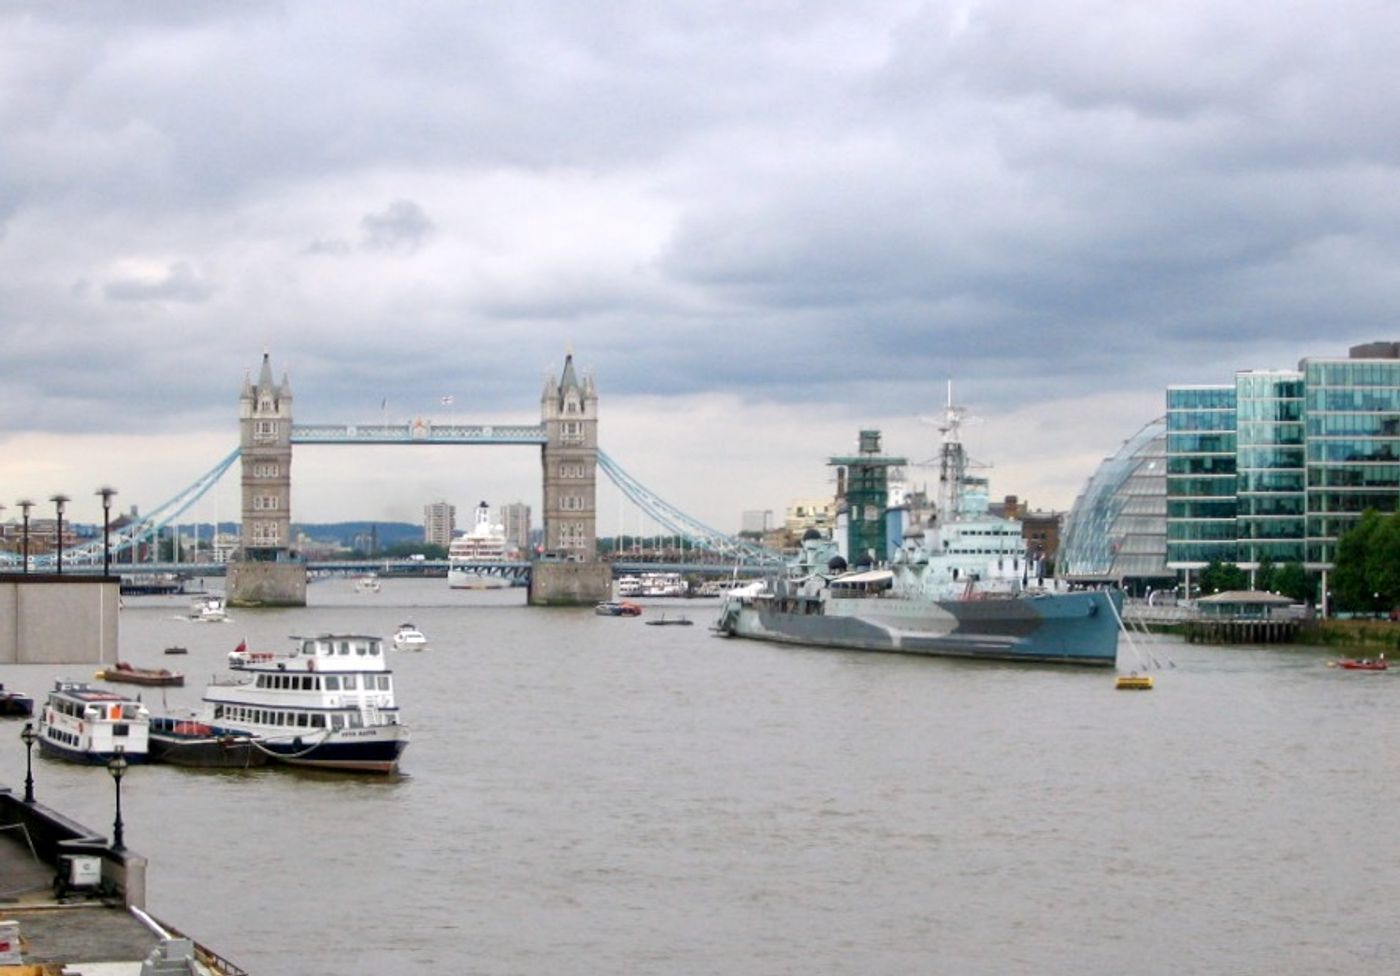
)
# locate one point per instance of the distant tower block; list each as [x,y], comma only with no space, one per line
[569,572]
[266,573]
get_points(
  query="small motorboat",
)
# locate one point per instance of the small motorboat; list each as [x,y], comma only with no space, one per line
[367,584]
[665,621]
[617,608]
[1362,664]
[208,609]
[1133,682]
[177,650]
[15,704]
[128,673]
[409,638]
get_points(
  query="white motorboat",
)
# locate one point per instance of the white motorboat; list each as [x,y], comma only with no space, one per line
[84,724]
[208,608]
[367,584]
[409,638]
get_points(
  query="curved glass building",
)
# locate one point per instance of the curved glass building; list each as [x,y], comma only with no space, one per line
[1117,529]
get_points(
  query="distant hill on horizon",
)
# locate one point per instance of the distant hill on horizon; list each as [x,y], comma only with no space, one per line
[388,533]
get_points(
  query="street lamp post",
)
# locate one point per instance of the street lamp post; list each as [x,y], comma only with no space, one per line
[29,735]
[117,767]
[106,492]
[24,506]
[58,502]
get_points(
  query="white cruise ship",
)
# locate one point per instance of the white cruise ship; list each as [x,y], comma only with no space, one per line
[484,544]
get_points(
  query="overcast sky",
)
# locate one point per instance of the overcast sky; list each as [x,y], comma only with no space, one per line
[761,226]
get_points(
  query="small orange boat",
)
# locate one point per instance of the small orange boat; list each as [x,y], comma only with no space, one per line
[1363,664]
[132,675]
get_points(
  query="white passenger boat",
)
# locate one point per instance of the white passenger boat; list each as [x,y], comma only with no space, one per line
[84,724]
[208,609]
[367,584]
[409,638]
[329,704]
[664,584]
[470,556]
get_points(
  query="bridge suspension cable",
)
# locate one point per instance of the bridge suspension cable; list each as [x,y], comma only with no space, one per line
[147,528]
[693,531]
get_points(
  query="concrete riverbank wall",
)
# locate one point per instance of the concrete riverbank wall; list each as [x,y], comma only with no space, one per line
[48,618]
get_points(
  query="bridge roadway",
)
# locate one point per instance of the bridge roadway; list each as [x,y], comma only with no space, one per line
[407,567]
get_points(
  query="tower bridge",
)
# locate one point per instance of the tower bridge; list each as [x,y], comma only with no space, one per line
[266,572]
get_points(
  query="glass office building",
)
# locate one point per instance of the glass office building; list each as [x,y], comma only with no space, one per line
[1280,464]
[1201,479]
[1269,453]
[1352,440]
[1117,530]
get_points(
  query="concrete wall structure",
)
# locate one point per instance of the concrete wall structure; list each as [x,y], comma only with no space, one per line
[256,584]
[569,584]
[52,619]
[51,834]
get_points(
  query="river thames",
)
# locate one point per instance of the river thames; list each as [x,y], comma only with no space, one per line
[588,795]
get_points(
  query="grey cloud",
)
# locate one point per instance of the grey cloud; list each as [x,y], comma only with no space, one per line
[403,227]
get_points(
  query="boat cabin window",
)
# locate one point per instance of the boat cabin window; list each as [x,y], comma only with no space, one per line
[332,682]
[344,647]
[337,721]
[360,649]
[351,682]
[374,648]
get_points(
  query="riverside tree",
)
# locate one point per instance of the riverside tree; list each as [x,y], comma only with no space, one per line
[1366,569]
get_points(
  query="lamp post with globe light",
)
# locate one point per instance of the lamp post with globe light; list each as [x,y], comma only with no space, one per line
[58,502]
[117,767]
[24,506]
[28,735]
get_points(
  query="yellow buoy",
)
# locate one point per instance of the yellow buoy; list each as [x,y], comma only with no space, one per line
[1134,682]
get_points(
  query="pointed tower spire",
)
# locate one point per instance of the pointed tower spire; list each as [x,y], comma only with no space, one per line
[265,374]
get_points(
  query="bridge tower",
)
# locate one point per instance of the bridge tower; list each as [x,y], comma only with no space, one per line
[568,571]
[266,572]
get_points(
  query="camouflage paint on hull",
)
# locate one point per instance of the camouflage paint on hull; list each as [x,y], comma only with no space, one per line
[1068,628]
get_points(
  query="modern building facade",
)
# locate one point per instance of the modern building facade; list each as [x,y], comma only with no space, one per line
[439,523]
[1117,530]
[1278,465]
[1352,439]
[1201,484]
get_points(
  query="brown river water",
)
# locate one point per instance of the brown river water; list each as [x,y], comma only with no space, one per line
[588,795]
